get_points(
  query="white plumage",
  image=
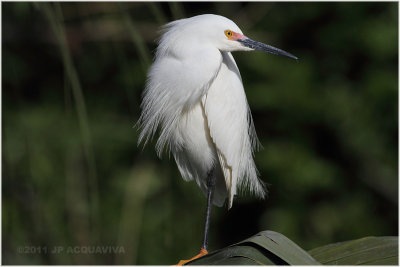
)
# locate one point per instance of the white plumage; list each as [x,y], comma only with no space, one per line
[195,96]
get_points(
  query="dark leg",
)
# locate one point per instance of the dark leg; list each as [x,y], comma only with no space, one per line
[210,195]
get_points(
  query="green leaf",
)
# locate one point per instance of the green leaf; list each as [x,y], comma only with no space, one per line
[282,247]
[265,248]
[364,251]
[247,254]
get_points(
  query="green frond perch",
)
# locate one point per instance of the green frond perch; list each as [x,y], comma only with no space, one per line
[272,248]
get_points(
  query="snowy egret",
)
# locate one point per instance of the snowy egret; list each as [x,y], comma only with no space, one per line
[194,94]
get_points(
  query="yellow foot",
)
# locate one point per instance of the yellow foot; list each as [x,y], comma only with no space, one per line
[201,254]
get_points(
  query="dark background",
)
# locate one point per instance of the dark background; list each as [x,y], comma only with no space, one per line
[73,175]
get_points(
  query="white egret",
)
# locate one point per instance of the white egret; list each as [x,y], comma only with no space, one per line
[194,94]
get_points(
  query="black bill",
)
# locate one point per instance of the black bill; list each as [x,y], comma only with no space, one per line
[264,47]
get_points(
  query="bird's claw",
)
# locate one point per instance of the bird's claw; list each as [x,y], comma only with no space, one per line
[201,254]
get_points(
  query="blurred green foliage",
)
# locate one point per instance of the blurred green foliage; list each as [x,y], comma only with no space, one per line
[73,175]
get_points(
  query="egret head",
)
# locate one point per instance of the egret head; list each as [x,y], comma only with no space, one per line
[230,38]
[211,31]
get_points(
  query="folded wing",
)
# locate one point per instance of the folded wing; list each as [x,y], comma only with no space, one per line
[231,128]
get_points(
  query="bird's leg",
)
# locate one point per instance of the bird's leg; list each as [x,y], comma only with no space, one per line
[210,196]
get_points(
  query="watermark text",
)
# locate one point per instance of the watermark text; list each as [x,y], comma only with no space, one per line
[71,249]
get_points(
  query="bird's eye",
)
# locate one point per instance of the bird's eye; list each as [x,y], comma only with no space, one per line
[228,33]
